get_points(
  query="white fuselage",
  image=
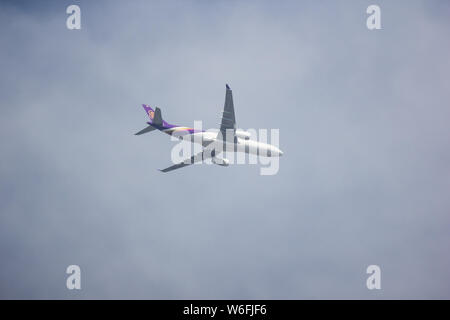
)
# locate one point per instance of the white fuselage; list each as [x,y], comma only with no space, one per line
[209,139]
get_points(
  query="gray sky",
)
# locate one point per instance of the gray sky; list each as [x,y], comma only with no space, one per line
[363,118]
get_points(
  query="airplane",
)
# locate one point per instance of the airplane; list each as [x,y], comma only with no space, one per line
[213,143]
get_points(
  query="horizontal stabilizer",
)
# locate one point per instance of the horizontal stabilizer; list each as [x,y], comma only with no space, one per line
[145,130]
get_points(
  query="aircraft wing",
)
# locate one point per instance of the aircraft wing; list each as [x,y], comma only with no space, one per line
[205,154]
[228,116]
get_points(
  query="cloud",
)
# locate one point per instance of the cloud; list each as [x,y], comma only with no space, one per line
[363,126]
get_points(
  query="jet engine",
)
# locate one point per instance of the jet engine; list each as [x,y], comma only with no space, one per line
[220,161]
[243,134]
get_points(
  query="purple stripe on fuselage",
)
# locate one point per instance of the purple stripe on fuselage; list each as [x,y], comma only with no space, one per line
[170,128]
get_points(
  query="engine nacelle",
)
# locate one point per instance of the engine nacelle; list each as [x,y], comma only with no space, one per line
[243,134]
[221,161]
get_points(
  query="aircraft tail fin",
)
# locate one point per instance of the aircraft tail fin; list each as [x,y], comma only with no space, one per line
[156,121]
[154,115]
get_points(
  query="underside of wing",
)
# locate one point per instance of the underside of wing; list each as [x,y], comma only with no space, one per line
[228,116]
[205,154]
[175,166]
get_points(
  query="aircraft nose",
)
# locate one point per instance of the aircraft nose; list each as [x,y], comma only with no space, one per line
[275,152]
[278,152]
